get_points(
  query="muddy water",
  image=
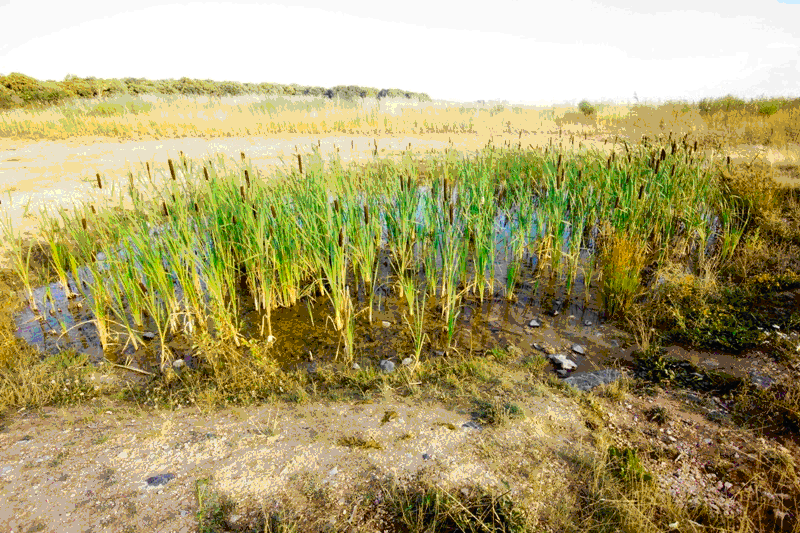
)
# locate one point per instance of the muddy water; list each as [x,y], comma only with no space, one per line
[305,336]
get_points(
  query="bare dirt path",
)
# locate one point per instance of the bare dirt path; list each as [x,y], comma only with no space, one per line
[86,469]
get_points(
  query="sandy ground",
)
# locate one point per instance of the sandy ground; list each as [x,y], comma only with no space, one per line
[86,469]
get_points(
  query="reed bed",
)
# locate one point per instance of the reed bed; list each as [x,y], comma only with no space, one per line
[219,236]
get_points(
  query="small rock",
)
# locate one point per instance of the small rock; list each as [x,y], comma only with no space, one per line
[178,364]
[562,373]
[760,380]
[408,361]
[333,471]
[356,366]
[385,323]
[587,381]
[160,479]
[471,425]
[534,324]
[587,323]
[563,362]
[426,457]
[232,519]
[123,454]
[578,349]
[387,366]
[148,335]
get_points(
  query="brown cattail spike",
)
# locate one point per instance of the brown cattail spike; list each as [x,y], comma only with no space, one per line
[300,163]
[164,208]
[242,155]
[241,191]
[247,178]
[663,154]
[641,191]
[99,181]
[171,169]
[451,214]
[366,214]
[83,223]
[93,210]
[341,237]
[149,175]
[274,213]
[205,173]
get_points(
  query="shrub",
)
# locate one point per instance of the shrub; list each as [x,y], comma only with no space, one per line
[586,108]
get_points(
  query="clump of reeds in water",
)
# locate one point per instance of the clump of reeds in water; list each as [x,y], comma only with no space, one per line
[185,258]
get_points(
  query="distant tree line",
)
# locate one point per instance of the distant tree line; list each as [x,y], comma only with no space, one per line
[19,90]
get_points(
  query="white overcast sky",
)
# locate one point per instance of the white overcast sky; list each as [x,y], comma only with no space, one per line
[521,51]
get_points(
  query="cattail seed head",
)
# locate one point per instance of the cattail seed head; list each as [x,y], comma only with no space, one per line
[341,237]
[366,214]
[274,213]
[663,154]
[451,214]
[729,161]
[242,156]
[300,163]
[205,173]
[99,181]
[83,223]
[196,208]
[247,178]
[149,175]
[695,145]
[336,205]
[164,211]
[641,191]
[171,169]
[658,165]
[241,191]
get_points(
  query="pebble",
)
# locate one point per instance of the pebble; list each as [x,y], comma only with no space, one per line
[160,479]
[333,471]
[578,349]
[148,335]
[563,362]
[471,425]
[534,323]
[387,366]
[385,323]
[178,364]
[356,366]
[408,361]
[587,323]
[426,457]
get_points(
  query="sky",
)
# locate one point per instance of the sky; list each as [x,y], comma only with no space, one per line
[515,50]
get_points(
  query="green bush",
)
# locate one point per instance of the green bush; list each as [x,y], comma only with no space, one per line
[586,108]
